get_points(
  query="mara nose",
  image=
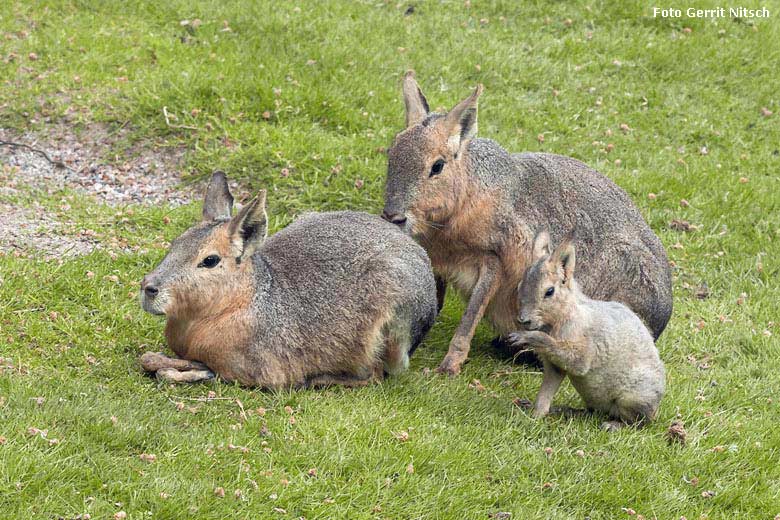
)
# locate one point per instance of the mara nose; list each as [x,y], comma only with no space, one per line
[394,218]
[524,322]
[149,289]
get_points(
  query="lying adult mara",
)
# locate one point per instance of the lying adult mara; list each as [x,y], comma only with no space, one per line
[476,208]
[332,299]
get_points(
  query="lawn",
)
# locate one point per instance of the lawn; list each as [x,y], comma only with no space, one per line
[302,98]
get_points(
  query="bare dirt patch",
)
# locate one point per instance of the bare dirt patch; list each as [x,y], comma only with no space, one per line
[144,174]
[26,229]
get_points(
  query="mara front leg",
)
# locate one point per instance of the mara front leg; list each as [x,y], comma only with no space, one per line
[551,381]
[484,290]
[574,357]
[175,370]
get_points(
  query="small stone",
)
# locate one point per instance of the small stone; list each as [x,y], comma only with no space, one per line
[684,203]
[121,515]
[402,436]
[148,457]
[220,492]
[579,453]
[651,196]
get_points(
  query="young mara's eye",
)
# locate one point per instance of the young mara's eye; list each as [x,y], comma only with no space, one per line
[549,292]
[210,261]
[437,167]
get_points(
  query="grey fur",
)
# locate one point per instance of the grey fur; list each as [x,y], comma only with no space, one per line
[604,348]
[622,259]
[334,298]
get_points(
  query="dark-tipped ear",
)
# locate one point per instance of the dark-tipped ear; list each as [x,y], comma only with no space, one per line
[541,245]
[461,121]
[416,104]
[565,257]
[249,227]
[218,203]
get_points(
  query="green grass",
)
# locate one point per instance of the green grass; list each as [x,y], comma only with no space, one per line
[74,339]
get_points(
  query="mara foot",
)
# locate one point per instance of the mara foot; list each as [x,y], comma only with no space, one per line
[171,375]
[450,365]
[612,426]
[154,361]
[175,370]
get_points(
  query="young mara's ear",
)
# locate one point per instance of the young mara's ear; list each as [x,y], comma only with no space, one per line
[249,227]
[564,256]
[219,202]
[541,245]
[461,122]
[416,104]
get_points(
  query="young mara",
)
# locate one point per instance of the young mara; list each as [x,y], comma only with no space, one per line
[333,299]
[475,208]
[603,347]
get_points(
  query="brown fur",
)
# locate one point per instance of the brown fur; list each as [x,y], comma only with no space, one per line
[334,298]
[475,208]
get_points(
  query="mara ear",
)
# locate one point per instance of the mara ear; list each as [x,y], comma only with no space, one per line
[249,227]
[218,203]
[564,256]
[416,104]
[461,122]
[541,245]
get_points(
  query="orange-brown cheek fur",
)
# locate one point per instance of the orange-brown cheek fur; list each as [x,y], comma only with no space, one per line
[464,234]
[210,318]
[220,337]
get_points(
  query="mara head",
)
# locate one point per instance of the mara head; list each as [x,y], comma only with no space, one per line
[548,288]
[426,174]
[205,261]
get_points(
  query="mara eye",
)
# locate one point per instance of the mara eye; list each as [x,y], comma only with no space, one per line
[210,261]
[437,167]
[549,292]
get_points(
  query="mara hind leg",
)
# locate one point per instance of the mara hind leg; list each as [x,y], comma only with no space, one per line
[644,284]
[397,341]
[629,411]
[404,332]
[348,380]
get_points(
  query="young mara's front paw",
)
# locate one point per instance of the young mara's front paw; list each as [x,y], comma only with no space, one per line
[518,338]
